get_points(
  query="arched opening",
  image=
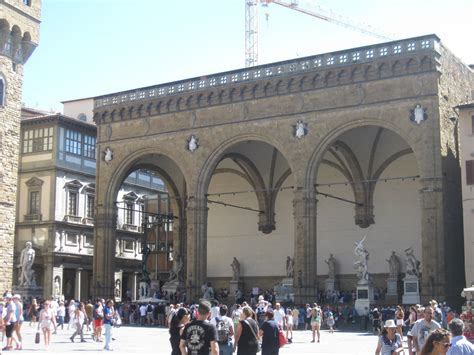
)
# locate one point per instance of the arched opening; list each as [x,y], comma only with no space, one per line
[250,217]
[147,196]
[367,184]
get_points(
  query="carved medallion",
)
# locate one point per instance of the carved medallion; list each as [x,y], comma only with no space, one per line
[300,129]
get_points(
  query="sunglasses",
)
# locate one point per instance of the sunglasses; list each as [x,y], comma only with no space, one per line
[446,345]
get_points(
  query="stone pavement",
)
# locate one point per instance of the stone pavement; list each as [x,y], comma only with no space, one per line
[148,340]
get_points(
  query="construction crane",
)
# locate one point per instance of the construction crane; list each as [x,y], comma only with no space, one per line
[251,24]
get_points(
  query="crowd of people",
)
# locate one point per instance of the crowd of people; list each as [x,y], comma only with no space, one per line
[216,328]
[48,316]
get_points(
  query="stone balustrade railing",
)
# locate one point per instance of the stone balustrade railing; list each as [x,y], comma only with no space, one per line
[312,63]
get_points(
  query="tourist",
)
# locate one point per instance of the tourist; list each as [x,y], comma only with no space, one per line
[459,344]
[246,336]
[236,314]
[70,311]
[45,320]
[390,342]
[399,316]
[289,320]
[10,320]
[78,320]
[180,319]
[33,312]
[308,317]
[316,322]
[61,315]
[225,331]
[199,337]
[422,328]
[109,314]
[98,316]
[296,316]
[89,310]
[412,318]
[143,311]
[19,320]
[376,321]
[437,343]
[330,321]
[269,334]
[279,315]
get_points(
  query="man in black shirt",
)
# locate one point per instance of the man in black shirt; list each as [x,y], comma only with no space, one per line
[200,336]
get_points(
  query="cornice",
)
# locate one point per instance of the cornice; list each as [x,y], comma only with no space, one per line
[394,59]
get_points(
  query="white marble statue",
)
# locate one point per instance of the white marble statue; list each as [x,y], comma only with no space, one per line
[290,267]
[394,265]
[57,286]
[27,258]
[175,273]
[361,264]
[331,267]
[235,269]
[413,265]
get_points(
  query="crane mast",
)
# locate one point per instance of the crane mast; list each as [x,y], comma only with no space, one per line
[251,24]
[251,33]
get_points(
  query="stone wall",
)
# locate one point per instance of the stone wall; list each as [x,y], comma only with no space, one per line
[9,143]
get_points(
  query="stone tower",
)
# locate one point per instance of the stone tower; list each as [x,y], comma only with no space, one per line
[19,36]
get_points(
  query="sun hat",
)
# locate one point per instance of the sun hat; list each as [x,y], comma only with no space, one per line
[17,296]
[390,324]
[8,295]
[260,298]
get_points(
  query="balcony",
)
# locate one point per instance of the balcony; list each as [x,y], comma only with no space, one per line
[89,221]
[32,217]
[72,219]
[131,228]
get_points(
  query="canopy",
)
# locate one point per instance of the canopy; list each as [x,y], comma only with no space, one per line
[468,292]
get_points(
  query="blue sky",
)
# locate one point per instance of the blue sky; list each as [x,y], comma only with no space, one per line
[94,47]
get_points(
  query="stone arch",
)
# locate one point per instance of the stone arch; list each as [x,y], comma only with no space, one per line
[4,32]
[129,164]
[397,68]
[425,63]
[317,155]
[412,65]
[330,79]
[216,156]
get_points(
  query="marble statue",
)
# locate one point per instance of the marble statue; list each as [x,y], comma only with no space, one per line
[290,267]
[175,273]
[235,269]
[331,266]
[361,264]
[118,289]
[208,291]
[413,265]
[57,286]
[27,258]
[394,265]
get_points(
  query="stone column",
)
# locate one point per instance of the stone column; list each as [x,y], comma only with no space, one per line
[433,261]
[77,286]
[135,286]
[196,246]
[48,274]
[304,211]
[104,251]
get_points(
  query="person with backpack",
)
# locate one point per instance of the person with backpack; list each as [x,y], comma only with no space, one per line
[225,331]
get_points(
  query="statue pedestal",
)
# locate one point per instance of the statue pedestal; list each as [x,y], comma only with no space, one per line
[143,290]
[172,287]
[392,290]
[365,296]
[329,285]
[29,291]
[411,290]
[284,291]
[233,287]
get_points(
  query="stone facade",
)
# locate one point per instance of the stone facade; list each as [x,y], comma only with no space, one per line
[332,94]
[19,35]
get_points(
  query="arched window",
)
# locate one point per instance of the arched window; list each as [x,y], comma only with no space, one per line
[2,91]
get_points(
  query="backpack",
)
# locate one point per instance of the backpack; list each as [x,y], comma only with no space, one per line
[149,309]
[222,330]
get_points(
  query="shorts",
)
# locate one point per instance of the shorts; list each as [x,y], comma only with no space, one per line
[9,330]
[399,322]
[308,320]
[97,323]
[315,324]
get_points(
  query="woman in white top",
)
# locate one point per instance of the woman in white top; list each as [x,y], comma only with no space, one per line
[46,319]
[289,325]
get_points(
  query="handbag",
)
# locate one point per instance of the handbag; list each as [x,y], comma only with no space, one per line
[282,338]
[37,337]
[259,345]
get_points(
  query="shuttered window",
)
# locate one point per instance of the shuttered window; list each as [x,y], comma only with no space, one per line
[470,172]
